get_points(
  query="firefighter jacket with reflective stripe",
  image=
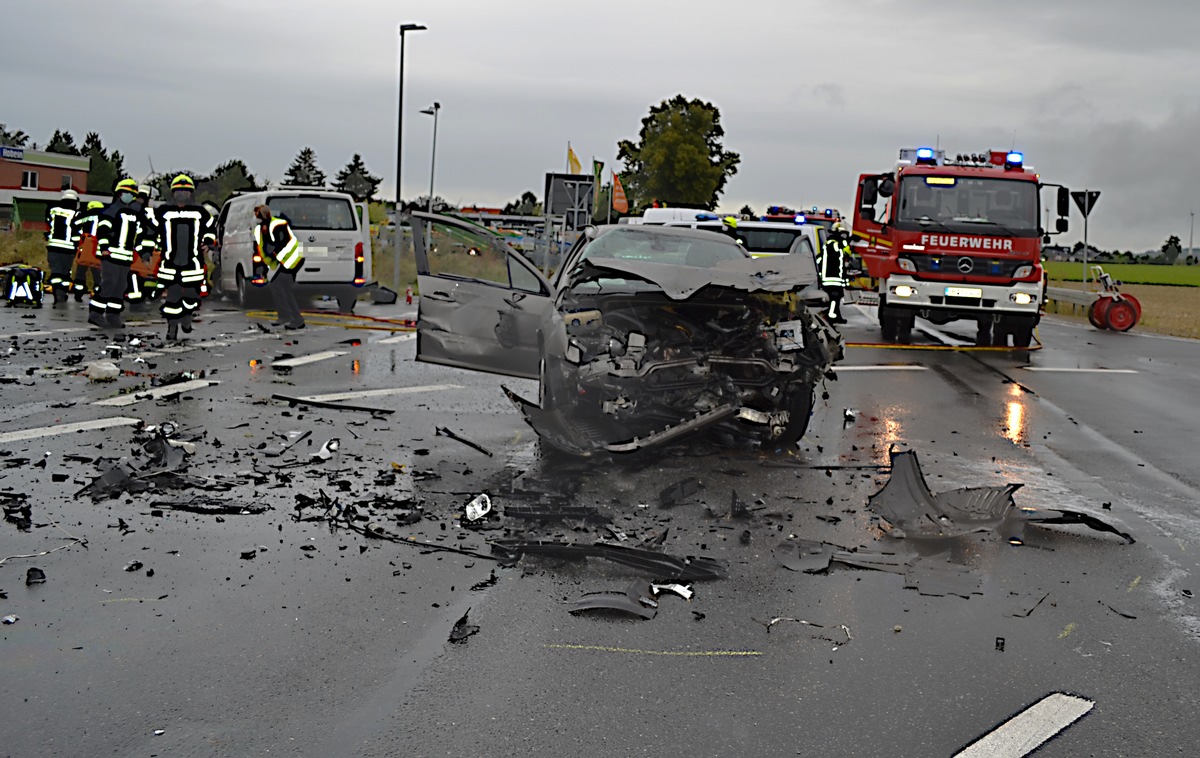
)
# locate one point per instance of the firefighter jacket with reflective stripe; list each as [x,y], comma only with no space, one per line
[281,248]
[122,233]
[59,237]
[832,264]
[85,222]
[179,233]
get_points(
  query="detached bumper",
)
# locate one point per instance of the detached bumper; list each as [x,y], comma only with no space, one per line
[1019,298]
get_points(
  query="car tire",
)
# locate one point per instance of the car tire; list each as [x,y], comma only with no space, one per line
[889,324]
[346,301]
[800,405]
[240,295]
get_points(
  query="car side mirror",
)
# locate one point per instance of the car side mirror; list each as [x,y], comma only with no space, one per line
[1060,226]
[815,297]
[1045,239]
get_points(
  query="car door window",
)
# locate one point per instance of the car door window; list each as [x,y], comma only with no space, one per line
[522,278]
[465,253]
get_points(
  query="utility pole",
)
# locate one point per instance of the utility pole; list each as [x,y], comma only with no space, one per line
[432,111]
[1191,230]
[400,142]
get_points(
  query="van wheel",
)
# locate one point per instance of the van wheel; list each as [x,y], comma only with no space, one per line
[346,301]
[240,294]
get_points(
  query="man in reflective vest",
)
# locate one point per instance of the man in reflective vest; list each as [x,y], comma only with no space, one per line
[120,236]
[831,264]
[140,287]
[60,250]
[183,230]
[277,254]
[83,234]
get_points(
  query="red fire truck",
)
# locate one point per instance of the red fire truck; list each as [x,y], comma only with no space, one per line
[956,239]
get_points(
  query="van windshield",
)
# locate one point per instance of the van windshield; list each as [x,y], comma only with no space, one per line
[315,212]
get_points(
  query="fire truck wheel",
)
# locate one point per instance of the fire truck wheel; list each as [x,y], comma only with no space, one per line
[1022,335]
[1097,311]
[904,328]
[1121,316]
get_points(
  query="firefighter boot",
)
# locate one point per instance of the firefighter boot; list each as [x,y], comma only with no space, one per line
[96,319]
[172,330]
[114,321]
[187,323]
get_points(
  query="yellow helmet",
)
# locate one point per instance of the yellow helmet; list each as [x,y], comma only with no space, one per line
[730,221]
[183,182]
[126,185]
[94,205]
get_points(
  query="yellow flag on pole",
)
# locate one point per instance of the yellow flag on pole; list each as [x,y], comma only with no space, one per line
[573,164]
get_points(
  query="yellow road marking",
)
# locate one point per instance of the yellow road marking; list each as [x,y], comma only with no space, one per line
[679,653]
[1134,583]
[1067,630]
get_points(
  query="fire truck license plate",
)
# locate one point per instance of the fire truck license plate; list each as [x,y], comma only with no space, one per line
[964,292]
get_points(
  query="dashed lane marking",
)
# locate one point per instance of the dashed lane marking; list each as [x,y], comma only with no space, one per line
[1049,369]
[882,367]
[1029,729]
[156,392]
[304,360]
[57,429]
[338,397]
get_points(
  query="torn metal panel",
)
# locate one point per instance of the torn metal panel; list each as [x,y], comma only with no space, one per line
[556,513]
[636,600]
[658,565]
[906,502]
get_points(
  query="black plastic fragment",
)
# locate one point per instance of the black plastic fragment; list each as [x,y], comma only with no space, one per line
[678,492]
[556,513]
[658,565]
[636,600]
[294,401]
[442,431]
[462,630]
[35,575]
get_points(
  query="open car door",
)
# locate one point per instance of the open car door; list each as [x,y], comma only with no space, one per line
[481,302]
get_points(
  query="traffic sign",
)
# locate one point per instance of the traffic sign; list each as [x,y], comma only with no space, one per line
[1086,200]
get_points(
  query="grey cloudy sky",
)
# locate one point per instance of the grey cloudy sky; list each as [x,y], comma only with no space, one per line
[1100,94]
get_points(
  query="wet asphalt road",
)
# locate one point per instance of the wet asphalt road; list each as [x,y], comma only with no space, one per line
[332,643]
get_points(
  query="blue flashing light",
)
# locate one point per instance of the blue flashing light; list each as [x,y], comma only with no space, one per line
[814,209]
[706,217]
[935,264]
[994,269]
[1014,158]
[764,218]
[829,213]
[800,219]
[924,153]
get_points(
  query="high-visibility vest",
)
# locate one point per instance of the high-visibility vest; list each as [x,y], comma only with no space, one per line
[59,237]
[288,255]
[833,272]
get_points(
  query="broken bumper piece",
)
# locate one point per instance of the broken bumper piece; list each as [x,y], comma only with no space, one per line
[658,565]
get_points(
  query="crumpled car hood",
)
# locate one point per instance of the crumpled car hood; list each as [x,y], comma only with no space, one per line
[775,274]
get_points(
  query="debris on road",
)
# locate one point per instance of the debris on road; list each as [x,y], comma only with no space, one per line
[294,401]
[133,566]
[556,513]
[679,492]
[658,565]
[328,450]
[442,431]
[462,630]
[906,502]
[210,506]
[922,573]
[34,575]
[102,371]
[10,619]
[480,506]
[637,600]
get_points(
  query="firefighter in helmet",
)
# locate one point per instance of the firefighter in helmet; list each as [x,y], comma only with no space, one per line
[831,264]
[60,250]
[277,254]
[183,231]
[121,234]
[141,288]
[729,226]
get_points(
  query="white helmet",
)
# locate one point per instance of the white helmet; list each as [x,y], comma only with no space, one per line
[70,195]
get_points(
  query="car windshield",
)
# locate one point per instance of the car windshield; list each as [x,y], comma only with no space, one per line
[314,212]
[660,245]
[969,205]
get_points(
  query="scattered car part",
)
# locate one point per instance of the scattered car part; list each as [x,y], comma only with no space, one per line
[462,630]
[442,431]
[294,401]
[480,506]
[34,575]
[659,565]
[637,600]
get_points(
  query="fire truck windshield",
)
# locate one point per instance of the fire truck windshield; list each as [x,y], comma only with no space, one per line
[968,205]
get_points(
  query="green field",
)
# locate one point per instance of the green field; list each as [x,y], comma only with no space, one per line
[1130,273]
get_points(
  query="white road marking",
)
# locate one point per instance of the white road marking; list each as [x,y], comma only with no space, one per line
[1024,732]
[156,392]
[176,349]
[1081,370]
[942,336]
[304,360]
[43,332]
[881,367]
[337,397]
[398,338]
[81,426]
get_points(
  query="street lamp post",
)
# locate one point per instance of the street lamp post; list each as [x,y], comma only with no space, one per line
[400,142]
[432,111]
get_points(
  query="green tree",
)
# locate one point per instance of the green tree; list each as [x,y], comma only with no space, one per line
[523,205]
[304,171]
[16,138]
[226,179]
[747,212]
[355,180]
[678,158]
[62,142]
[1171,250]
[105,170]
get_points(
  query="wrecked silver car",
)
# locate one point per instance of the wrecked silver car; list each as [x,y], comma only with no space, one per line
[643,335]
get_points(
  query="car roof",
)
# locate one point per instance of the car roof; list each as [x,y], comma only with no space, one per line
[663,229]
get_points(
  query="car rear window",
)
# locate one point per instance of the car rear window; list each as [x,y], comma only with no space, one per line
[657,245]
[315,212]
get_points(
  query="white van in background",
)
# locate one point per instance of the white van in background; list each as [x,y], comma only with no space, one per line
[333,232]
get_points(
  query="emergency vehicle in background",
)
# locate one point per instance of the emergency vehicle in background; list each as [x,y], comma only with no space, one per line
[956,239]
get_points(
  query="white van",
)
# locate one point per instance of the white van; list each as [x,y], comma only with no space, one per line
[665,215]
[333,232]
